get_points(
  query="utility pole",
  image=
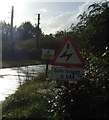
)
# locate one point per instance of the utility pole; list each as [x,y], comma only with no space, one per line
[38,32]
[11,29]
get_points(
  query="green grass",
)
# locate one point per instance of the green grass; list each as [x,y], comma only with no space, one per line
[29,101]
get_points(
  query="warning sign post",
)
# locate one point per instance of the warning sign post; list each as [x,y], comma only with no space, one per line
[47,55]
[68,63]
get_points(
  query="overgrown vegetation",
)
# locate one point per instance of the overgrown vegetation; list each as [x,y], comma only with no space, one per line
[31,100]
[88,98]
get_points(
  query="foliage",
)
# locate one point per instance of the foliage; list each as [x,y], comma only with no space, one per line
[49,42]
[92,28]
[82,99]
[28,45]
[27,31]
[29,101]
[87,98]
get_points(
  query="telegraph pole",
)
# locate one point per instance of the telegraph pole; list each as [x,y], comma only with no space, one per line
[11,29]
[38,33]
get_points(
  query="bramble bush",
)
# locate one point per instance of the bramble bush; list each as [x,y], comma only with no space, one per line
[87,98]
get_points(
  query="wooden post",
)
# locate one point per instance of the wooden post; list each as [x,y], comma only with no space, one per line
[46,70]
[66,84]
[38,32]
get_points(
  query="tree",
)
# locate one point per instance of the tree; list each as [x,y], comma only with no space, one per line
[25,31]
[5,31]
[92,28]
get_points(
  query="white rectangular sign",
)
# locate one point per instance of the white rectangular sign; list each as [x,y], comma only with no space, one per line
[69,74]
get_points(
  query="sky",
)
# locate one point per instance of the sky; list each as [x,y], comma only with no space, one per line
[55,15]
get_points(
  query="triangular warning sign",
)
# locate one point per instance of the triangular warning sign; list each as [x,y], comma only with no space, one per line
[68,55]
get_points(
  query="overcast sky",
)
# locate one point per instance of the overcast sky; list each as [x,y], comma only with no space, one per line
[56,15]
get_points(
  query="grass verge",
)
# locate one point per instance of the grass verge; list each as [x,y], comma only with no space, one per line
[31,100]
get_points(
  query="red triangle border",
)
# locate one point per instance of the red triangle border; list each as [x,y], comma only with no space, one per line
[68,64]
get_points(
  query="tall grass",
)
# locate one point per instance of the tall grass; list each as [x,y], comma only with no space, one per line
[31,100]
